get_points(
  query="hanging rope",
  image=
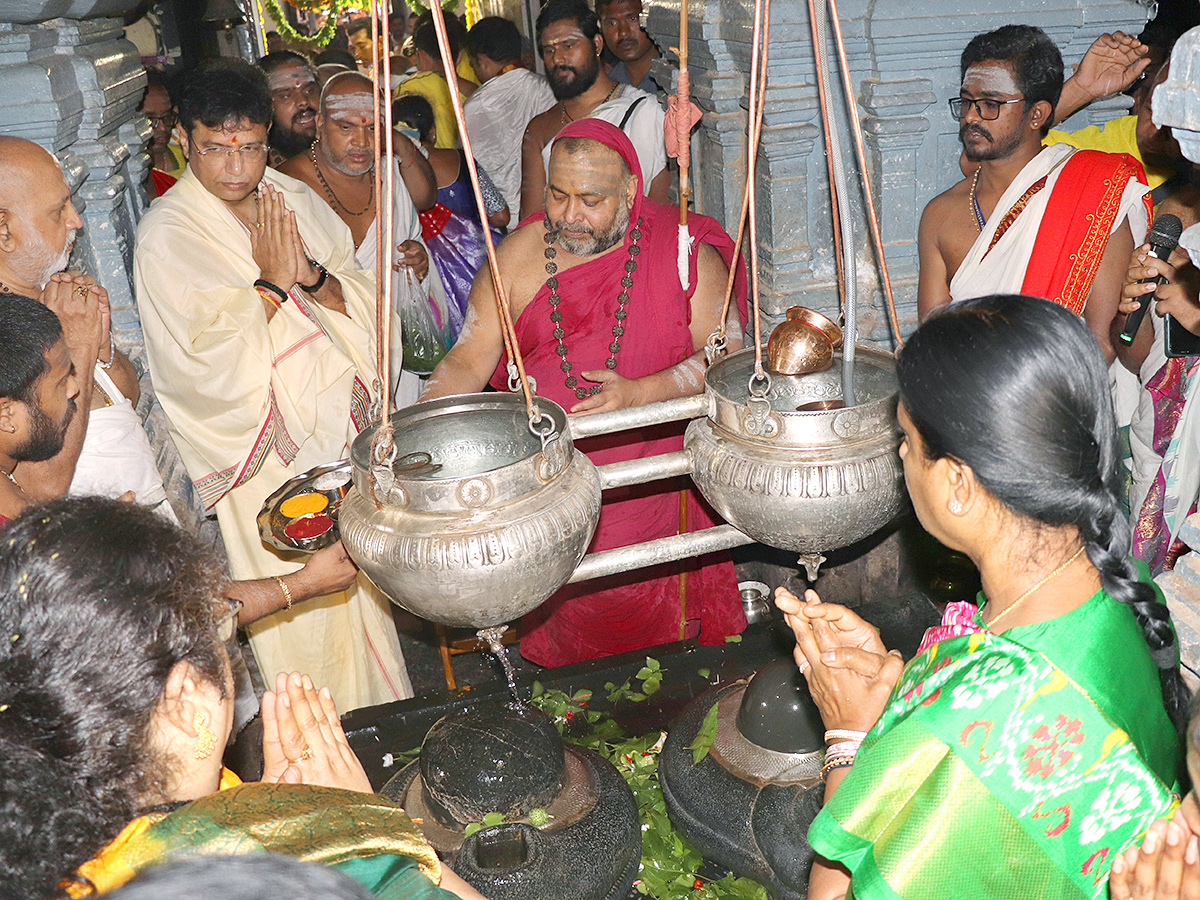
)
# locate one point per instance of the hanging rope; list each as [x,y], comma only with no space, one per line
[717,340]
[681,117]
[506,322]
[827,134]
[383,445]
[860,154]
[758,77]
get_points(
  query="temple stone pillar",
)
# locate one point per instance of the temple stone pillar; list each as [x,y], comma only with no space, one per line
[903,61]
[70,82]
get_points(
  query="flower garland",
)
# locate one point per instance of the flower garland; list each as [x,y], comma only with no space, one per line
[420,6]
[324,34]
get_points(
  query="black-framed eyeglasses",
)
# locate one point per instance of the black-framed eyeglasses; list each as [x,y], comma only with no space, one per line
[167,119]
[987,108]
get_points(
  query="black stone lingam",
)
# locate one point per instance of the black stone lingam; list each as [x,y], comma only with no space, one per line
[571,826]
[748,804]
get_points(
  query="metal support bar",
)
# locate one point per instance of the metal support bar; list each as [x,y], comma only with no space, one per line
[650,468]
[663,550]
[639,416]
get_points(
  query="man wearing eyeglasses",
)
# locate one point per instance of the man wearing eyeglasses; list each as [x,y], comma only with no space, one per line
[1054,222]
[166,156]
[259,328]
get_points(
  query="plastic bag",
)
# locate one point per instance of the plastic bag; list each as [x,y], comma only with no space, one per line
[424,336]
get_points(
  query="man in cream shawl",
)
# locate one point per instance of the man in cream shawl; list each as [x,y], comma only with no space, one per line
[259,328]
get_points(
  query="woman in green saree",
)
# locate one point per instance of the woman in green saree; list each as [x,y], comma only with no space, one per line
[1034,735]
[116,701]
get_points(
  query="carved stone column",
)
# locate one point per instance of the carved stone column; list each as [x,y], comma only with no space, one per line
[903,62]
[74,87]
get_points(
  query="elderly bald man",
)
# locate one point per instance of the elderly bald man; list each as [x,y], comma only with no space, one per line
[38,224]
[340,167]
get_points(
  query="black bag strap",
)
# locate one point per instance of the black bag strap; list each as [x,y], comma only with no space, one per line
[629,112]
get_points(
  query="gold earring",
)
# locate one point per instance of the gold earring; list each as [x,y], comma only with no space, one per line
[206,738]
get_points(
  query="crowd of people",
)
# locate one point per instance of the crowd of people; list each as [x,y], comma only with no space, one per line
[1038,743]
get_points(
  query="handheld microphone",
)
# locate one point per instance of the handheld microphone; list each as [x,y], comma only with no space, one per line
[1163,238]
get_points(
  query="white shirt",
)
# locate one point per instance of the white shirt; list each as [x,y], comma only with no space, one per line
[496,116]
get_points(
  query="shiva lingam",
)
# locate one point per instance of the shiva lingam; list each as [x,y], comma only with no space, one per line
[571,823]
[747,805]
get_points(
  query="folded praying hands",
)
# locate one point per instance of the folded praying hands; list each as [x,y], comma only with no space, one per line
[275,243]
[849,671]
[1167,864]
[303,740]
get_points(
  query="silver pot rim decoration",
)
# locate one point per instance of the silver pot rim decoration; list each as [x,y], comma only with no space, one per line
[781,424]
[483,527]
[808,481]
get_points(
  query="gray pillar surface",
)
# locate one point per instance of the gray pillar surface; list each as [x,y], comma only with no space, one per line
[73,85]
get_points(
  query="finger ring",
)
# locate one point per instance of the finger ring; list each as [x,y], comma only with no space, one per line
[306,753]
[82,291]
[258,225]
[804,667]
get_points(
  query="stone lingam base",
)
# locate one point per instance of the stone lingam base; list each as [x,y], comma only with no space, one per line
[571,827]
[384,736]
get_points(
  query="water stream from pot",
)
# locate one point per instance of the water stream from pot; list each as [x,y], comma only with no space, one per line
[493,638]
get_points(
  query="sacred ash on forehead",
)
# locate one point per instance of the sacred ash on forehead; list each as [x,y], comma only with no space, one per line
[357,102]
[288,76]
[990,77]
[556,32]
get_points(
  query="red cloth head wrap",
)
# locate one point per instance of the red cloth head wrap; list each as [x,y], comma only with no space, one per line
[613,138]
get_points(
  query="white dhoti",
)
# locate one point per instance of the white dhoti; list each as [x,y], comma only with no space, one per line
[406,385]
[1002,268]
[252,403]
[116,456]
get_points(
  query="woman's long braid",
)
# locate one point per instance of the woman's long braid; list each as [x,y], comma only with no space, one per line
[1105,532]
[1016,388]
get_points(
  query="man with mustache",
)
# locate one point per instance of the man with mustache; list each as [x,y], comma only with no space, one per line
[294,91]
[260,332]
[82,435]
[38,224]
[1057,223]
[603,323]
[626,39]
[340,167]
[570,43]
[38,390]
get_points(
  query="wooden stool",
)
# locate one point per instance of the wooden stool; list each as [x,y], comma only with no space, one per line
[448,648]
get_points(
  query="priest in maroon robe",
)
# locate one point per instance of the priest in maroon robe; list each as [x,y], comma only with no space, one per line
[603,322]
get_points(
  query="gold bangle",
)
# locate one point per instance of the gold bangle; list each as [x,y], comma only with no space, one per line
[287,594]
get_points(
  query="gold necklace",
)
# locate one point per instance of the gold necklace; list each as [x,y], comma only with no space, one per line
[992,624]
[9,476]
[567,117]
[976,210]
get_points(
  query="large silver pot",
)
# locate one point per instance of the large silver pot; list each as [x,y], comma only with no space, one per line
[490,527]
[806,481]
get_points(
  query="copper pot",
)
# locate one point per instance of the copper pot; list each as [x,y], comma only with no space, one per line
[803,343]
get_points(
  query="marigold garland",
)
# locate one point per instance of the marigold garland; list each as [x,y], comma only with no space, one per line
[323,36]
